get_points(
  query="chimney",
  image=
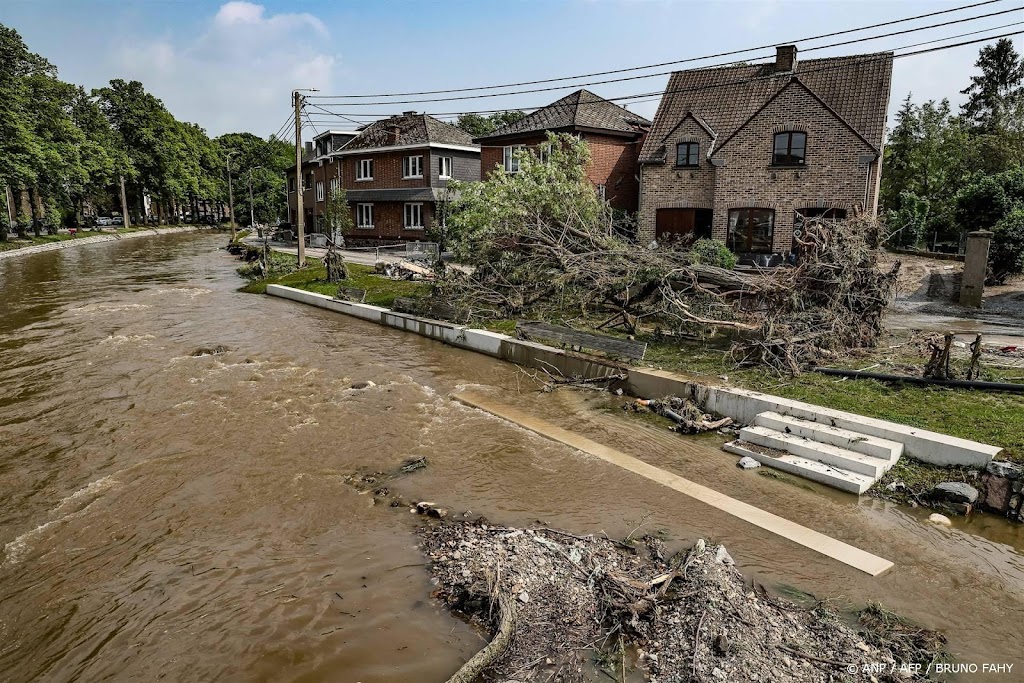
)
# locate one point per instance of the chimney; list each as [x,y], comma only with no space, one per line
[393,132]
[785,58]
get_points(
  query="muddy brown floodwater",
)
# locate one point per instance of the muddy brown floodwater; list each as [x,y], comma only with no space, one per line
[165,515]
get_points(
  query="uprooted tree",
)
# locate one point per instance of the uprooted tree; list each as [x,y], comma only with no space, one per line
[543,243]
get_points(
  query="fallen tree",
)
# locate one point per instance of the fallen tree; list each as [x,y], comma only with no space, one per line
[542,244]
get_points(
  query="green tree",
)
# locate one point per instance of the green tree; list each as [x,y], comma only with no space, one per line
[477,125]
[337,214]
[996,96]
[994,202]
[486,216]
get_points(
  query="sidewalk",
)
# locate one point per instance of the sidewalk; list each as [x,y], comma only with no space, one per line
[360,256]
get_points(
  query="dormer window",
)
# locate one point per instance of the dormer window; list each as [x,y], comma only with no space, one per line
[790,149]
[688,154]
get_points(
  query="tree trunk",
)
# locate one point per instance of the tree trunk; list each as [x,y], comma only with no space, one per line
[24,211]
[37,220]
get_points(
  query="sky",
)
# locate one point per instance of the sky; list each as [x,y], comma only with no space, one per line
[231,66]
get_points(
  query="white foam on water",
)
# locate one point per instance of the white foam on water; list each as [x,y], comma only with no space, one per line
[190,292]
[15,551]
[94,488]
[119,339]
[107,308]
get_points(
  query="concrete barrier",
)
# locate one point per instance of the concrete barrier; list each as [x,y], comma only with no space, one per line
[741,405]
[95,239]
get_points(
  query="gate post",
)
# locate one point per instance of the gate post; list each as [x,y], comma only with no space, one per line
[975,267]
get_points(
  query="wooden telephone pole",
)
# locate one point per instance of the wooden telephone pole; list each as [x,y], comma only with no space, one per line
[124,205]
[231,199]
[299,217]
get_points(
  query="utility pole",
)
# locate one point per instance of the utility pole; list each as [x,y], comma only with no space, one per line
[297,100]
[231,199]
[298,178]
[10,210]
[124,205]
[252,208]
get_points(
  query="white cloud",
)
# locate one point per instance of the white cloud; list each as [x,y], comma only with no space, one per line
[238,73]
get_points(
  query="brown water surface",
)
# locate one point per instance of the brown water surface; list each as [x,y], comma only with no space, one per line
[179,516]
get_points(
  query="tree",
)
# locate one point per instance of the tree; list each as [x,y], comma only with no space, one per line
[263,163]
[485,216]
[337,214]
[477,125]
[994,202]
[996,96]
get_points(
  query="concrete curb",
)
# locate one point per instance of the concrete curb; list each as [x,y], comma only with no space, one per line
[742,405]
[96,239]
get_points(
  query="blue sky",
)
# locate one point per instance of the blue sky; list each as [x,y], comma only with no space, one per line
[230,66]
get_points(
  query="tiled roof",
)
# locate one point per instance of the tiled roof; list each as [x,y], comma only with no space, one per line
[413,129]
[855,87]
[581,109]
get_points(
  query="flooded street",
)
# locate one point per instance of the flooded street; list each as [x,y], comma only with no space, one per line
[170,513]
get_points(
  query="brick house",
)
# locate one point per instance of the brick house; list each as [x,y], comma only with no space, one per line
[614,134]
[745,153]
[321,168]
[395,172]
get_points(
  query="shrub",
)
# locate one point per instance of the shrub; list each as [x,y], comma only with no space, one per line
[712,253]
[1006,256]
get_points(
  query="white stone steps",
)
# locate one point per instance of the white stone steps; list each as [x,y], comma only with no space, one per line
[873,446]
[835,477]
[842,458]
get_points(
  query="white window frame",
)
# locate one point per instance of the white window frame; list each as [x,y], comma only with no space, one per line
[319,190]
[364,170]
[335,186]
[412,166]
[364,212]
[602,192]
[417,209]
[509,161]
[443,162]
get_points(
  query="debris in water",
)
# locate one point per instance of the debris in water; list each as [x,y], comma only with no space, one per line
[214,351]
[555,599]
[363,385]
[687,415]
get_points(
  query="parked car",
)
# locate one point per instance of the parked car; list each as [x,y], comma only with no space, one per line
[103,221]
[117,220]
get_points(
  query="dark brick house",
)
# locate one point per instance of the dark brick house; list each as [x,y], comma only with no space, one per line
[396,173]
[744,153]
[321,168]
[614,134]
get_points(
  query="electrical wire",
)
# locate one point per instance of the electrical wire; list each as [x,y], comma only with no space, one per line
[661,64]
[655,95]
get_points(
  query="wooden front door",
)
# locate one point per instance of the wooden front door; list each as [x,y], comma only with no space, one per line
[674,224]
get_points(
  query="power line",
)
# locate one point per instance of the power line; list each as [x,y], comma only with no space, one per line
[662,73]
[658,94]
[682,61]
[290,120]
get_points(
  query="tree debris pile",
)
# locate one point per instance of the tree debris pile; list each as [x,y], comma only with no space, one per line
[687,415]
[561,604]
[542,245]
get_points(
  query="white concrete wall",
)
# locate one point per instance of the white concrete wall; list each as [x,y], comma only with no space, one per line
[740,404]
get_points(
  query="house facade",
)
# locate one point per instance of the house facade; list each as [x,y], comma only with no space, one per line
[321,174]
[613,133]
[744,154]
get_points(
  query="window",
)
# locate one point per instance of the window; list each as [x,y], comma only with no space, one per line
[413,216]
[789,149]
[291,184]
[688,154]
[511,163]
[364,169]
[320,191]
[601,190]
[307,181]
[334,187]
[545,153]
[750,230]
[364,216]
[444,167]
[412,167]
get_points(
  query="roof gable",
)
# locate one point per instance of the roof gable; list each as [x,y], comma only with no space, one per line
[581,109]
[796,81]
[854,88]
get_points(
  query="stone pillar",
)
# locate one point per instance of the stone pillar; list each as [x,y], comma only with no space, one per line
[975,267]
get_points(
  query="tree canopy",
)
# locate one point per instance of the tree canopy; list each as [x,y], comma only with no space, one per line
[477,125]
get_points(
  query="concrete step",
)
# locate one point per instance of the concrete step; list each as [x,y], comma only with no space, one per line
[874,446]
[843,480]
[835,456]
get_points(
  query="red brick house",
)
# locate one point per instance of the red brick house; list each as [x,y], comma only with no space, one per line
[321,169]
[744,153]
[613,133]
[396,172]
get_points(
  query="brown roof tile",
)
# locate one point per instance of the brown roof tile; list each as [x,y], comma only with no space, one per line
[581,109]
[413,129]
[855,87]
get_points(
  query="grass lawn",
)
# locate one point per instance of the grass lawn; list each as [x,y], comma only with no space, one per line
[32,241]
[380,291]
[994,418]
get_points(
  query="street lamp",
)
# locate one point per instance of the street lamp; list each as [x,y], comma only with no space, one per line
[252,206]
